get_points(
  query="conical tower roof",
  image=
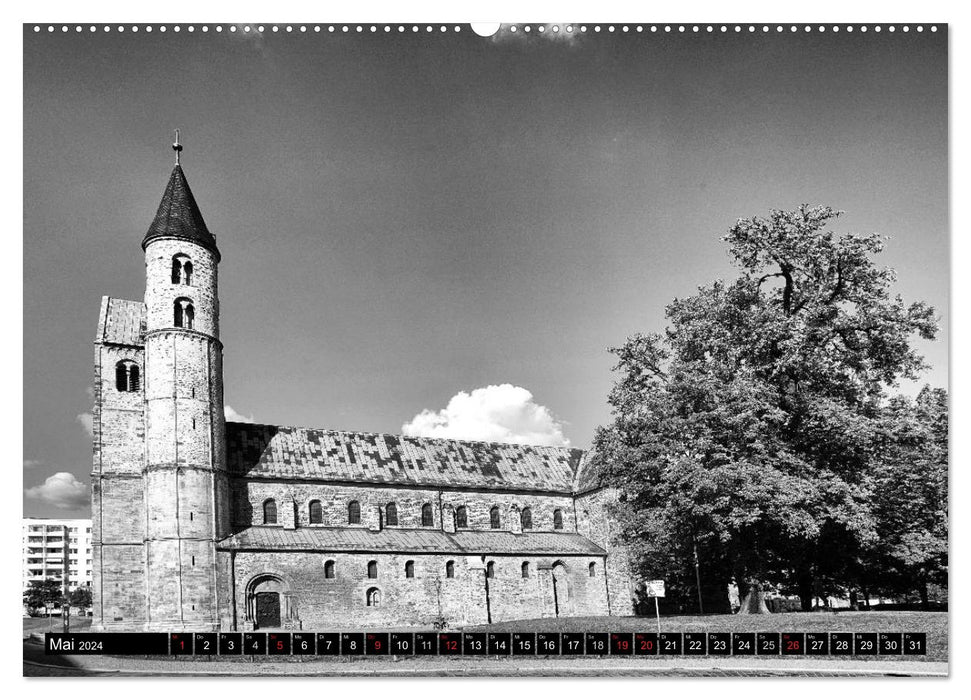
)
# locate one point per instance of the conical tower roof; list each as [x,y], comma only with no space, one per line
[178,215]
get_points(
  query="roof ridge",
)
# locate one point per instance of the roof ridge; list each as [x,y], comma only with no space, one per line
[414,437]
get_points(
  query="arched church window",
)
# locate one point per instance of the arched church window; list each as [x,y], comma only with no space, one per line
[494,521]
[269,512]
[557,519]
[329,569]
[373,597]
[409,569]
[184,313]
[127,376]
[391,514]
[353,513]
[427,519]
[593,569]
[372,569]
[526,519]
[316,513]
[525,569]
[491,570]
[461,517]
[187,273]
[450,569]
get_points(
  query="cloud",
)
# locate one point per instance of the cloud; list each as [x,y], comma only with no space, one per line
[234,417]
[496,413]
[554,32]
[62,490]
[31,463]
[87,422]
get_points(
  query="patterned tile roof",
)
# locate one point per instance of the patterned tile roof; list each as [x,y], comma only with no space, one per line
[279,452]
[359,539]
[589,476]
[121,321]
[179,216]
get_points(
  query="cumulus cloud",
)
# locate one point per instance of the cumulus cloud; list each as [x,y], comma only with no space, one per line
[495,413]
[234,417]
[87,422]
[61,490]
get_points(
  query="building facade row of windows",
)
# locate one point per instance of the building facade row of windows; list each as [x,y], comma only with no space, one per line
[525,569]
[315,512]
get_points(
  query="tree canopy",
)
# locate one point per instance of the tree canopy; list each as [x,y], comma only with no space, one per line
[754,425]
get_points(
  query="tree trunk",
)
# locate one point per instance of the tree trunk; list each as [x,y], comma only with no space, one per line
[806,592]
[924,597]
[854,600]
[754,601]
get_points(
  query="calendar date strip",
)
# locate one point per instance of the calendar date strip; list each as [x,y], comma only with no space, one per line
[260,644]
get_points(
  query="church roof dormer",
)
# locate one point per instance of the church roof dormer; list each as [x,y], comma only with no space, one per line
[178,214]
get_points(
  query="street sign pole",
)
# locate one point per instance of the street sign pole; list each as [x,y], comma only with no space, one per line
[655,589]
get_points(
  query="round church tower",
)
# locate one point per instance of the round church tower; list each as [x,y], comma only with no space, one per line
[185,466]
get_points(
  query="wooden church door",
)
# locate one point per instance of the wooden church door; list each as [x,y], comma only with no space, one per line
[267,609]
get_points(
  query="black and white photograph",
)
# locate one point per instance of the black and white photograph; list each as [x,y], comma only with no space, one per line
[551,349]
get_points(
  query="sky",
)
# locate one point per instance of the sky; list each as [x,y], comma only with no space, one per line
[440,233]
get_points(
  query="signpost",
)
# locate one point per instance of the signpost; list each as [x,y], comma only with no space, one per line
[655,589]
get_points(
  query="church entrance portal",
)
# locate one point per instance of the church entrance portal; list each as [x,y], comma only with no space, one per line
[267,609]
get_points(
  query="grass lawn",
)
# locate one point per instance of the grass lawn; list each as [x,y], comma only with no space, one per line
[934,624]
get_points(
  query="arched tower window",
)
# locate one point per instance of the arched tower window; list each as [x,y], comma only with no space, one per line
[127,376]
[450,569]
[373,597]
[461,517]
[185,313]
[181,269]
[353,513]
[329,569]
[593,569]
[525,569]
[391,514]
[526,518]
[316,513]
[409,569]
[494,521]
[372,569]
[269,512]
[427,519]
[491,570]
[557,519]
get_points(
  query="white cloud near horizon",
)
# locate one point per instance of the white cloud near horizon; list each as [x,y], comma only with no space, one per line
[495,413]
[87,422]
[61,490]
[234,417]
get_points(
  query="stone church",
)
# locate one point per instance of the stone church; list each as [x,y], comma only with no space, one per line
[203,524]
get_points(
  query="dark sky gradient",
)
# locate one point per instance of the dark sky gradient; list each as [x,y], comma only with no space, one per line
[402,217]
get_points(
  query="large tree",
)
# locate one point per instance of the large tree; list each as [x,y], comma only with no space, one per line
[749,428]
[910,495]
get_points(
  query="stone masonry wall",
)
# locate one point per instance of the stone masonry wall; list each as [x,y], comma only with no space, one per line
[250,496]
[318,603]
[596,524]
[117,506]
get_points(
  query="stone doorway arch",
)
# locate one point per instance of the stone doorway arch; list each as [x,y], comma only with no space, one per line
[270,604]
[562,598]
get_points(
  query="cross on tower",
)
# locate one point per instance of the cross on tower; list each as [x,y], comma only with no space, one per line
[177,147]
